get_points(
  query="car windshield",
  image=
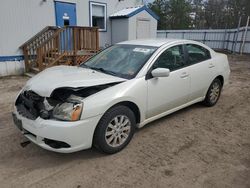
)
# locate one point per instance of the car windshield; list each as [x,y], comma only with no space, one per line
[120,60]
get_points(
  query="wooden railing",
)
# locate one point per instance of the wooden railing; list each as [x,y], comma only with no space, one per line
[30,47]
[70,45]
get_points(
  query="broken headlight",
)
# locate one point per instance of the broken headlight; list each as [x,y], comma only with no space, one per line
[68,111]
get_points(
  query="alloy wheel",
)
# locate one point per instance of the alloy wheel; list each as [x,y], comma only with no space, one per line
[118,131]
[215,92]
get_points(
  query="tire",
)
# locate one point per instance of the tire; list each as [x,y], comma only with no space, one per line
[115,130]
[213,93]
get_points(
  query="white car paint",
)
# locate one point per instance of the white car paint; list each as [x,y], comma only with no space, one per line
[67,76]
[154,98]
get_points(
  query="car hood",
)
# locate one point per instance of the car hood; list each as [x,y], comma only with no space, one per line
[48,80]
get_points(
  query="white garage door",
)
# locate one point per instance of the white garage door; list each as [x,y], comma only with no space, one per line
[143,29]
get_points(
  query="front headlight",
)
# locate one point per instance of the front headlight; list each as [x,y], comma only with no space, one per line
[68,111]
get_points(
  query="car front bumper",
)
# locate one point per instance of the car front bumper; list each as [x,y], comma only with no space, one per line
[78,135]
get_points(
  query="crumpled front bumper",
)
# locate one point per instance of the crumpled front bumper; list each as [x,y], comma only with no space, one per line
[77,134]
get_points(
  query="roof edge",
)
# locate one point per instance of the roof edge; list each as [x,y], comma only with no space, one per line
[136,12]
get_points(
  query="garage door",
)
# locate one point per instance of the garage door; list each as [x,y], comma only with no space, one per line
[143,29]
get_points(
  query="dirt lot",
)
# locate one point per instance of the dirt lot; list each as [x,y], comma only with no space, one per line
[195,147]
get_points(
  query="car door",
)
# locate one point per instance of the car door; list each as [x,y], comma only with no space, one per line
[201,70]
[165,93]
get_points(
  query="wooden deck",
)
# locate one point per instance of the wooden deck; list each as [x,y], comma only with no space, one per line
[70,45]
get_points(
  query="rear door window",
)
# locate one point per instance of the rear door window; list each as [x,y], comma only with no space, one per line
[197,53]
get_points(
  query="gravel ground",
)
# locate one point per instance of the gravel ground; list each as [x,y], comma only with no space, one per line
[195,147]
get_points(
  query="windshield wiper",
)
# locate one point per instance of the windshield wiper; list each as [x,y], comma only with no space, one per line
[104,71]
[99,69]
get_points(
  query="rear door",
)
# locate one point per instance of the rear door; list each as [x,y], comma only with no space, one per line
[201,68]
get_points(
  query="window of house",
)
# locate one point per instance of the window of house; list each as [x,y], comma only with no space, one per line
[98,16]
[197,53]
[172,59]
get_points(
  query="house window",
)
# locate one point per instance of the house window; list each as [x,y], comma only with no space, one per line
[98,16]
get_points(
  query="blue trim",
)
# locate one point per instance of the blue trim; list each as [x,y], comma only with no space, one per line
[152,13]
[12,58]
[106,16]
[136,12]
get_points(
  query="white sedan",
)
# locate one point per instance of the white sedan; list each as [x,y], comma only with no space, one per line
[101,102]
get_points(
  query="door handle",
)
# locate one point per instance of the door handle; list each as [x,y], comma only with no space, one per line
[211,65]
[184,75]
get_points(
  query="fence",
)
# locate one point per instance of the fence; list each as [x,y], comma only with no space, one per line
[233,40]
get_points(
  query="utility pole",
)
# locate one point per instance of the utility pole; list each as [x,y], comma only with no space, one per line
[244,37]
[236,36]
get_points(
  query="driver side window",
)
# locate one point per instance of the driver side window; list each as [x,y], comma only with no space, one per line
[172,59]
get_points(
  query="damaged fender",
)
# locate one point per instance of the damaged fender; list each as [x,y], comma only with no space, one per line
[65,103]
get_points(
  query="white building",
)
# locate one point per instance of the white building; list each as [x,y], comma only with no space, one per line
[22,19]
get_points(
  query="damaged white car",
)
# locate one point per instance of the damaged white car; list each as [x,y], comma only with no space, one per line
[101,102]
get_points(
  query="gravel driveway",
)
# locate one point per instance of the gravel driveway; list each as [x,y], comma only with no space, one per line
[195,147]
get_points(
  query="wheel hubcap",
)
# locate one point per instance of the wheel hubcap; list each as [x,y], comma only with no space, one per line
[118,131]
[215,92]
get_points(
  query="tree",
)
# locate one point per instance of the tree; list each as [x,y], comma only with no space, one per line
[198,11]
[200,14]
[237,9]
[215,14]
[158,6]
[179,14]
[174,14]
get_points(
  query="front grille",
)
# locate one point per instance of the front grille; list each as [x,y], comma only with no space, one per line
[27,104]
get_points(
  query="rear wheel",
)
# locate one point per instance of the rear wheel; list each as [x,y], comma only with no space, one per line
[213,93]
[115,129]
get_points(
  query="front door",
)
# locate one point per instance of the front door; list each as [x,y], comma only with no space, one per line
[166,93]
[65,16]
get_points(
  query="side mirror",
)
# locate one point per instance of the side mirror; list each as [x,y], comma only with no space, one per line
[160,72]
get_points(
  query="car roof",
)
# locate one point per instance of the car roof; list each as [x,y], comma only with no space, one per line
[153,42]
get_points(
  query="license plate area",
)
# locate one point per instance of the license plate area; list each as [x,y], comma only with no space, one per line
[17,122]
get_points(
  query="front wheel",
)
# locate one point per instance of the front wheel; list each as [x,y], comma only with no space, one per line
[213,93]
[115,129]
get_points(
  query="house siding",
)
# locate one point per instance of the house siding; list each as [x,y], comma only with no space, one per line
[119,30]
[112,7]
[20,20]
[142,15]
